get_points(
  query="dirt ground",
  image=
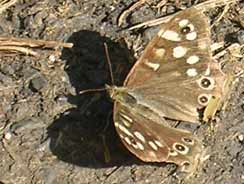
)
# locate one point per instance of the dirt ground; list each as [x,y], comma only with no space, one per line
[50,134]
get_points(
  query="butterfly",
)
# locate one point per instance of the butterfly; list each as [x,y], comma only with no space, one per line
[176,77]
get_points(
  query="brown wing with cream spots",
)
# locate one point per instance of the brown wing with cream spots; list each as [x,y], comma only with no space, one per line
[176,75]
[170,43]
[140,134]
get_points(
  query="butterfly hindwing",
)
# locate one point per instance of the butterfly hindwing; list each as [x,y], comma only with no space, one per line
[140,135]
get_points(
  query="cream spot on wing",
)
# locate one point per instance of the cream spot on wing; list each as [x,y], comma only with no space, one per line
[121,136]
[158,143]
[191,26]
[139,136]
[125,130]
[135,146]
[152,154]
[154,66]
[126,123]
[171,35]
[127,140]
[140,146]
[154,146]
[183,22]
[116,124]
[191,36]
[179,51]
[126,120]
[126,117]
[161,31]
[207,72]
[192,59]
[173,153]
[159,52]
[191,72]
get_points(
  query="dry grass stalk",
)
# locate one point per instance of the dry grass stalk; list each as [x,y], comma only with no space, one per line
[5,4]
[23,45]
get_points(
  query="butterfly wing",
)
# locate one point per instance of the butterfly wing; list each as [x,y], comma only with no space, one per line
[176,75]
[152,141]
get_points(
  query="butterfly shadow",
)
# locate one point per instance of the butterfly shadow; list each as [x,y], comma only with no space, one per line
[85,135]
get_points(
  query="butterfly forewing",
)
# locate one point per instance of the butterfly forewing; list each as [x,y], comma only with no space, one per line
[159,52]
[154,141]
[177,69]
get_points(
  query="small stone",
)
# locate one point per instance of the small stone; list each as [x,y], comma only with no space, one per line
[52,58]
[240,37]
[240,137]
[37,83]
[8,136]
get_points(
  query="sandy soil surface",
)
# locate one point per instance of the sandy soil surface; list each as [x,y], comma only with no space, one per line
[50,134]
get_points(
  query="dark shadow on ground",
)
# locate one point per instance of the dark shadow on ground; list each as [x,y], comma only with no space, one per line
[82,136]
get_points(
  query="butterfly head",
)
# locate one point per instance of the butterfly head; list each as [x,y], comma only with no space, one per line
[112,91]
[121,95]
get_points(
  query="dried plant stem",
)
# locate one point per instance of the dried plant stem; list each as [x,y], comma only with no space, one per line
[23,45]
[201,7]
[5,4]
[129,10]
[32,43]
[24,50]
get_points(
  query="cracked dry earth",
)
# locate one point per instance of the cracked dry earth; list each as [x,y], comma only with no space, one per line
[51,134]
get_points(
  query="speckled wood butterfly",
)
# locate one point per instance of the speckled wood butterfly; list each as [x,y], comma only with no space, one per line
[174,78]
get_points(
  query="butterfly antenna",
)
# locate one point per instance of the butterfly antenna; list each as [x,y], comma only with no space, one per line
[92,90]
[109,63]
[110,71]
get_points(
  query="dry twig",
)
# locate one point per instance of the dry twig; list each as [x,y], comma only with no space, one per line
[5,4]
[201,7]
[128,10]
[23,45]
